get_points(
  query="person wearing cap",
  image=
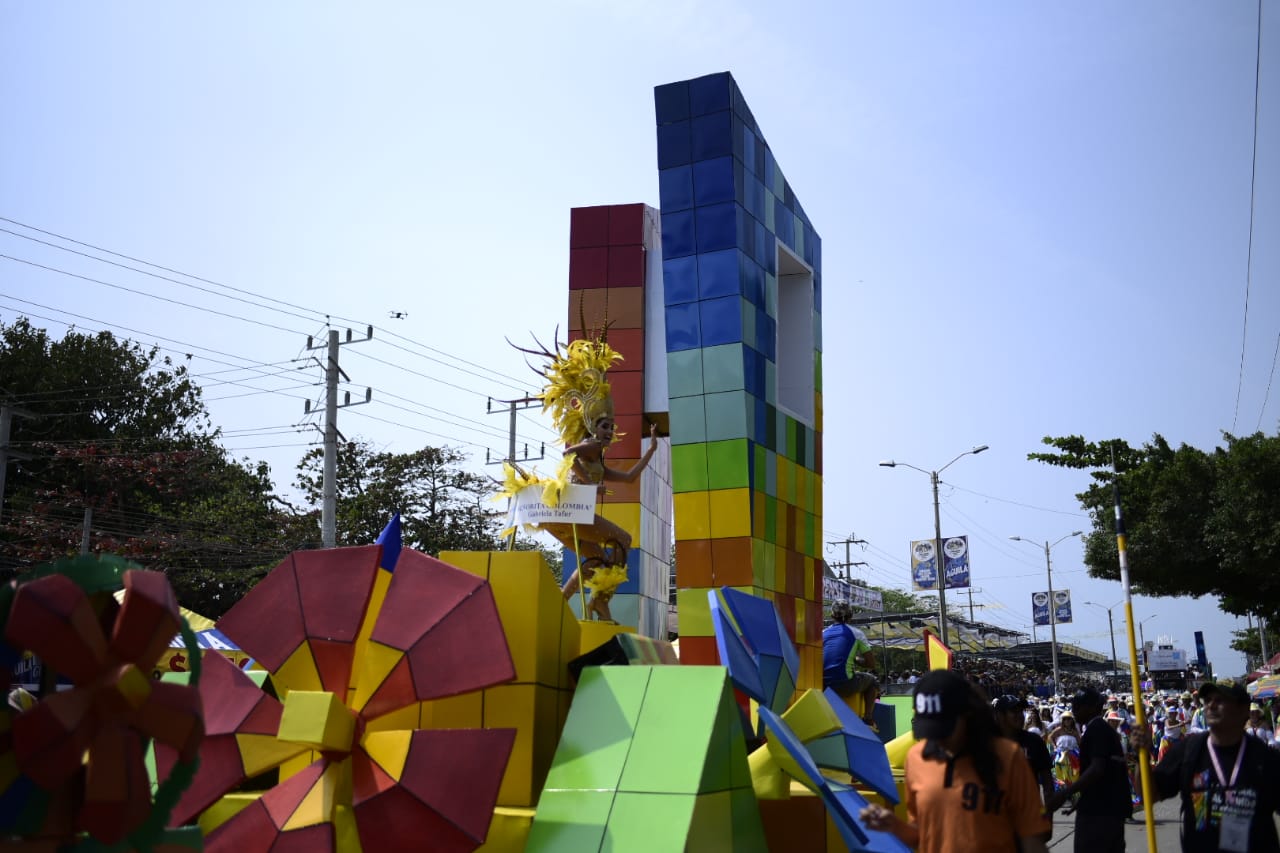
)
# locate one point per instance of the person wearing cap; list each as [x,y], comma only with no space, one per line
[1009,713]
[1104,803]
[843,648]
[1257,727]
[1227,782]
[967,789]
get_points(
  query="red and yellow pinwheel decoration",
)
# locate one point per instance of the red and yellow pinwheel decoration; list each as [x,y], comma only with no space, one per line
[348,642]
[77,760]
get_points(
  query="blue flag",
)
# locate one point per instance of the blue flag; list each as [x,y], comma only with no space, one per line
[390,541]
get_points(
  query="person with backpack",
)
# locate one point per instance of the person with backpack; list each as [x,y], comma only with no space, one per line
[1229,783]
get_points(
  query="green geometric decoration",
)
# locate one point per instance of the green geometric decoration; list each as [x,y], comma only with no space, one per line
[652,759]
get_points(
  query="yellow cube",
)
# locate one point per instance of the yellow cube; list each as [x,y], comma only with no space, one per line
[317,719]
[692,516]
[730,513]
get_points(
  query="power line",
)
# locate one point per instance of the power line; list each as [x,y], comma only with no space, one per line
[178,302]
[289,305]
[1016,503]
[1270,376]
[1253,190]
[253,364]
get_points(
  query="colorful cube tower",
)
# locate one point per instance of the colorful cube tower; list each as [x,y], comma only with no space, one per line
[615,281]
[741,274]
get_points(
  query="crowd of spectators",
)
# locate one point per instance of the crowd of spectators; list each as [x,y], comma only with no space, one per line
[1000,678]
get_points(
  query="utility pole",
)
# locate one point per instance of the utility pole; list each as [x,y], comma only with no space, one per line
[851,539]
[84,532]
[1262,640]
[514,406]
[329,500]
[971,591]
[6,421]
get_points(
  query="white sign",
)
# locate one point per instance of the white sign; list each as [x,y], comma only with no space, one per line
[1166,660]
[577,506]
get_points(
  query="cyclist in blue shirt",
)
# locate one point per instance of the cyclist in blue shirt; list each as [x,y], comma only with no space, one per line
[843,649]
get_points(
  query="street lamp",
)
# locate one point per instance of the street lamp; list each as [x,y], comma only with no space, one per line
[1053,608]
[937,532]
[1142,638]
[1111,625]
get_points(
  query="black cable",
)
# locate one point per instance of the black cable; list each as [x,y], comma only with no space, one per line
[1253,189]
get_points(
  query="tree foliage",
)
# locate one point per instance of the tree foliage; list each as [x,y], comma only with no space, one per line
[116,433]
[442,506]
[1197,522]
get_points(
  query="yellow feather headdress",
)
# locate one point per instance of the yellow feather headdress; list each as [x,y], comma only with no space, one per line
[577,394]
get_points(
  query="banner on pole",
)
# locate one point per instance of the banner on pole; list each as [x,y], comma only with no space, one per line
[1040,608]
[577,506]
[924,568]
[1061,607]
[955,561]
[955,564]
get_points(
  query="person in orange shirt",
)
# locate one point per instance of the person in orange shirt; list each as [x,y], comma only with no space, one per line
[968,790]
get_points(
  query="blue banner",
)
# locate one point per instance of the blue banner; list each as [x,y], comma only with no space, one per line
[1040,608]
[955,560]
[924,568]
[1062,606]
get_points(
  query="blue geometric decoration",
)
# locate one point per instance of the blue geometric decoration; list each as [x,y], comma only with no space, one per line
[772,655]
[855,750]
[843,803]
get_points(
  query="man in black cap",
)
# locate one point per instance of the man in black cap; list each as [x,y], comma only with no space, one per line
[1010,713]
[1103,786]
[1229,783]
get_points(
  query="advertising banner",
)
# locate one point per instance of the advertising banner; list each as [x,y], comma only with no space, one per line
[834,589]
[1166,660]
[924,568]
[1062,606]
[1040,608]
[867,599]
[1061,609]
[955,561]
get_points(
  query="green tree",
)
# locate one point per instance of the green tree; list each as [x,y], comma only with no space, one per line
[442,506]
[1197,522]
[117,431]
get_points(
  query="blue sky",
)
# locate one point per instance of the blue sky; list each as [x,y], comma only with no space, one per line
[1035,222]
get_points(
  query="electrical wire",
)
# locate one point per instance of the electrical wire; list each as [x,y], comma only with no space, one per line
[178,302]
[1253,192]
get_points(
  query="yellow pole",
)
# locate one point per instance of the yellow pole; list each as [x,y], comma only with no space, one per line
[582,577]
[1144,753]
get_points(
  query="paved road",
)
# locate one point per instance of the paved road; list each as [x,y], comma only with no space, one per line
[1135,832]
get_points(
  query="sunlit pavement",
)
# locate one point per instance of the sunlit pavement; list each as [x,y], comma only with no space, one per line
[1168,823]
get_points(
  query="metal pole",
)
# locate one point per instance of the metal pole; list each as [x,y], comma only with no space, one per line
[511,446]
[329,502]
[937,562]
[1262,640]
[84,533]
[1053,619]
[1115,665]
[6,418]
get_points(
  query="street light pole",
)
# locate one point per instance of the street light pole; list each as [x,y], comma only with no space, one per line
[938,561]
[1112,627]
[937,533]
[1053,607]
